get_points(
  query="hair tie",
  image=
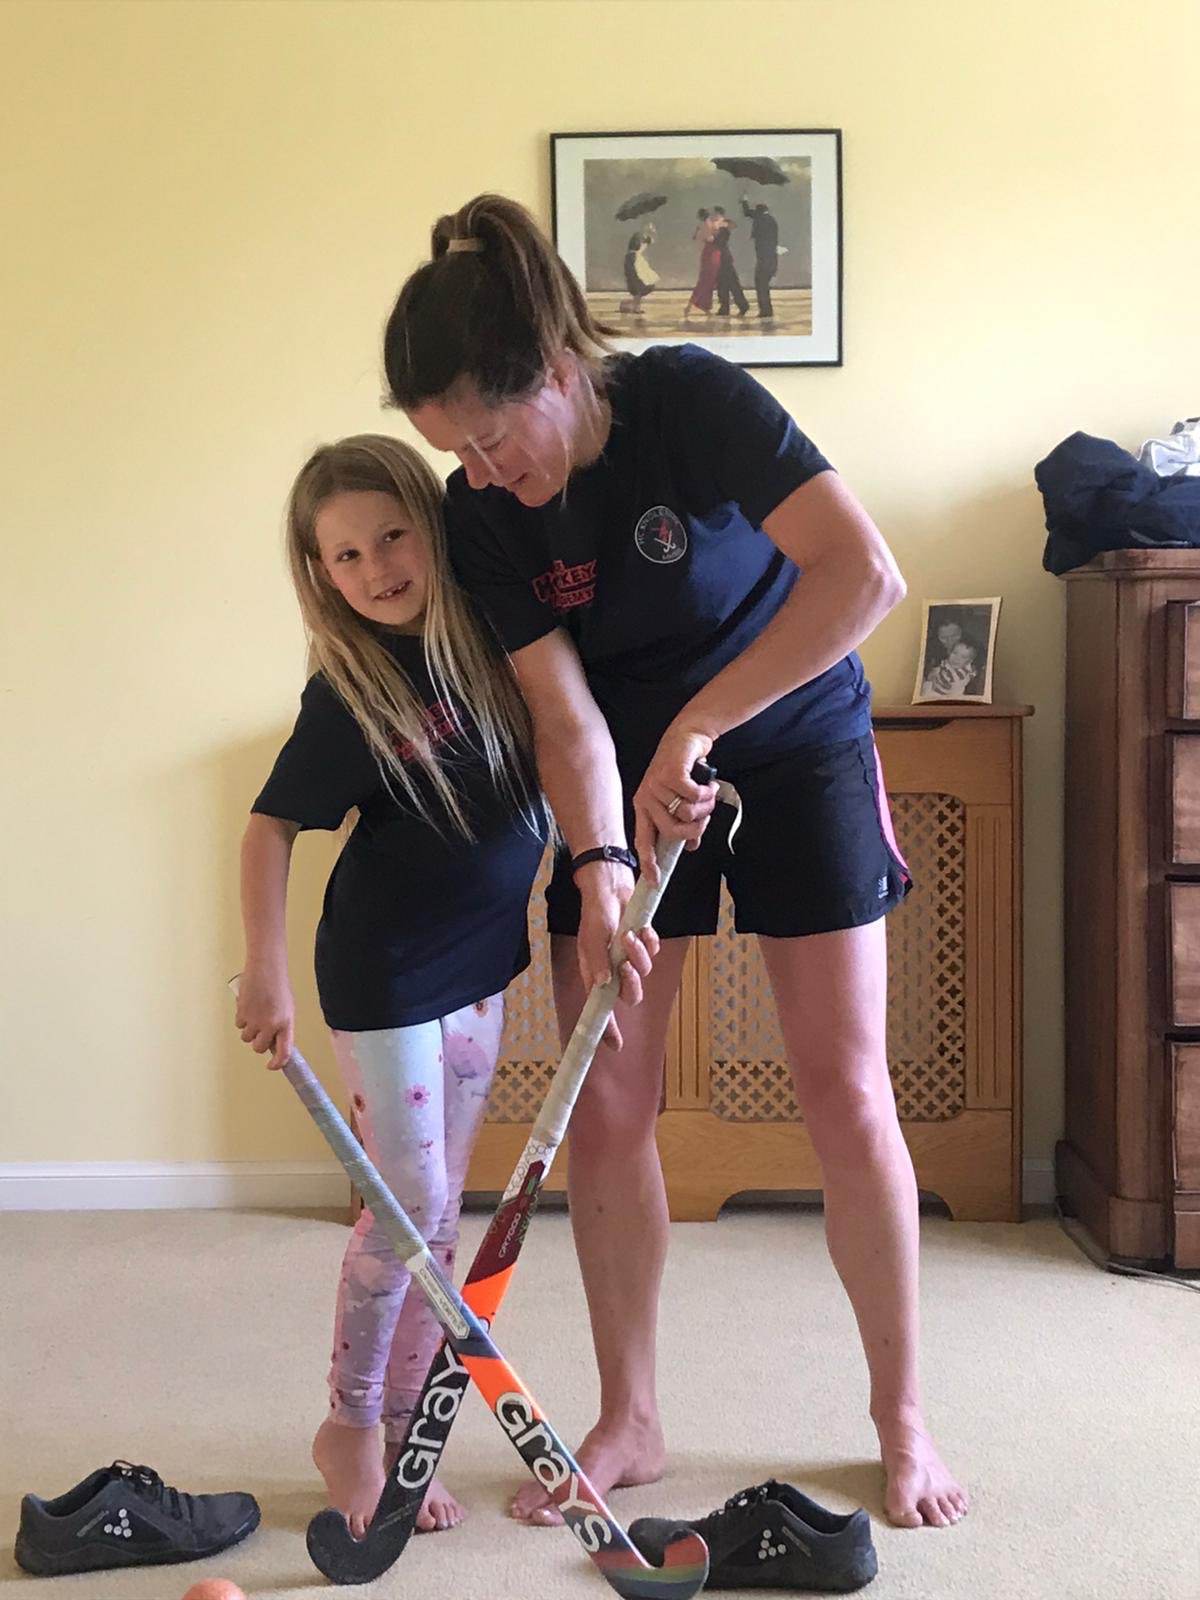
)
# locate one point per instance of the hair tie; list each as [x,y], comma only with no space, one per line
[464,247]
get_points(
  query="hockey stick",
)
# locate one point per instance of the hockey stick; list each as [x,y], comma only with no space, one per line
[333,1548]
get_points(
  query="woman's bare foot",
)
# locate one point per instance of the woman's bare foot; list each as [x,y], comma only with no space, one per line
[921,1489]
[613,1456]
[439,1509]
[348,1459]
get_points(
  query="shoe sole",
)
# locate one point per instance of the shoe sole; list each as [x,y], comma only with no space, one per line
[45,1565]
[829,1582]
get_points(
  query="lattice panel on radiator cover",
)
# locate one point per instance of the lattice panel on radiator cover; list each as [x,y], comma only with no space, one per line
[529,1050]
[749,1077]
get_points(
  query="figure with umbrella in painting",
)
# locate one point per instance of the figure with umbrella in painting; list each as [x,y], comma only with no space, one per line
[764,229]
[640,276]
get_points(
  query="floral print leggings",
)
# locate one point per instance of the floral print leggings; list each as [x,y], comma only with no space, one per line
[419,1096]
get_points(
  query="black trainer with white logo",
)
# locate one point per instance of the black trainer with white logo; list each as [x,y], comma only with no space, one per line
[126,1516]
[773,1537]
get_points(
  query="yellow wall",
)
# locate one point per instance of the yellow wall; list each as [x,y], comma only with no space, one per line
[207,209]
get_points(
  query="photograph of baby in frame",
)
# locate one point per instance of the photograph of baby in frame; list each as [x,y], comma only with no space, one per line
[958,639]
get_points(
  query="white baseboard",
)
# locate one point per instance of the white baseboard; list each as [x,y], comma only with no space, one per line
[1037,1182]
[164,1186]
[249,1185]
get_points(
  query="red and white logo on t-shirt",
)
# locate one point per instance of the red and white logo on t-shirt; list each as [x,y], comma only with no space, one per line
[565,587]
[660,535]
[441,723]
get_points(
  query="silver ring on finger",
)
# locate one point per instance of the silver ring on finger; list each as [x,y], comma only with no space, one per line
[675,805]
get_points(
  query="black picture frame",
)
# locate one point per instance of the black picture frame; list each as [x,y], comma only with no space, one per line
[779,229]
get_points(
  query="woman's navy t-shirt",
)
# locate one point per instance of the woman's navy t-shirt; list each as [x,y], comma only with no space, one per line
[656,562]
[416,922]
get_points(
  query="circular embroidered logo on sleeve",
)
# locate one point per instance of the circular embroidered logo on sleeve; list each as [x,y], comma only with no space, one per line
[660,535]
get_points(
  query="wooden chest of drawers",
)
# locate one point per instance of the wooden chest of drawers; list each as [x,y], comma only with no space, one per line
[1129,1165]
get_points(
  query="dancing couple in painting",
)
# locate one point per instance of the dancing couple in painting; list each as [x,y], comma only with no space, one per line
[718,272]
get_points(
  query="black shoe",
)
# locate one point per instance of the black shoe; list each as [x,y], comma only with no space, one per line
[125,1516]
[773,1537]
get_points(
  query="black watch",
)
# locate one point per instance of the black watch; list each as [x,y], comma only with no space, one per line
[605,852]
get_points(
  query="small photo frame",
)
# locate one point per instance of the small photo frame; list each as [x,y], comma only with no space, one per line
[729,240]
[958,646]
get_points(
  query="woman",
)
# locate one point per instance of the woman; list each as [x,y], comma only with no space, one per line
[706,236]
[636,527]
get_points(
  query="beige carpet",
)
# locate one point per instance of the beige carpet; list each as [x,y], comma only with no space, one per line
[195,1342]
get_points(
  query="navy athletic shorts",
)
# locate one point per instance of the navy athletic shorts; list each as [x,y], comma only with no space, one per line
[815,853]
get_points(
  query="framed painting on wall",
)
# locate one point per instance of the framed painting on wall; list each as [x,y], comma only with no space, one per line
[732,241]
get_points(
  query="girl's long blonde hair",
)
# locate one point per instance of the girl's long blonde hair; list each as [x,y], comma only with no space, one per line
[469,670]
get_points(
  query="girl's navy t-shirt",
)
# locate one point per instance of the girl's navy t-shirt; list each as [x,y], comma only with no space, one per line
[656,562]
[416,922]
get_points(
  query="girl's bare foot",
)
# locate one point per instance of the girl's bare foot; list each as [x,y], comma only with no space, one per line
[348,1460]
[921,1489]
[439,1509]
[613,1457]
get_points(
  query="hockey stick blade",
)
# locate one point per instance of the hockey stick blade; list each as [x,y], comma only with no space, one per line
[333,1548]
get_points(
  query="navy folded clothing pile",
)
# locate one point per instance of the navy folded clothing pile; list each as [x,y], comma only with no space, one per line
[1099,497]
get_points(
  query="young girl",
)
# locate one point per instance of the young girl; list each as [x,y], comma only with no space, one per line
[414,719]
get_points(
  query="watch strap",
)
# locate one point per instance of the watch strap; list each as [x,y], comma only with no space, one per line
[605,852]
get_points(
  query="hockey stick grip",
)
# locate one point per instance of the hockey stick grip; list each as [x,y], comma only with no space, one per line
[551,1125]
[643,902]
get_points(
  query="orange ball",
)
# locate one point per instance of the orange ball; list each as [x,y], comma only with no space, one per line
[214,1589]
